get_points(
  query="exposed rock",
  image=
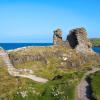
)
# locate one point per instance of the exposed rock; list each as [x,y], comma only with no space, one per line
[78,40]
[57,37]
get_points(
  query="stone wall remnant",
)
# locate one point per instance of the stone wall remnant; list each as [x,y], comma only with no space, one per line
[57,37]
[78,40]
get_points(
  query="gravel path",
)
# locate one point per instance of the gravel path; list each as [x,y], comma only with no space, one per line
[26,73]
[82,90]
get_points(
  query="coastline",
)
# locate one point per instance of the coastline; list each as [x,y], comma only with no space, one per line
[28,45]
[13,46]
[21,48]
[96,46]
[17,49]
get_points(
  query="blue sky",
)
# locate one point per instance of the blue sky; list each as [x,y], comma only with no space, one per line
[35,20]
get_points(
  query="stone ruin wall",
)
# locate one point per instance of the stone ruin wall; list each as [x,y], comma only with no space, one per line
[57,37]
[78,40]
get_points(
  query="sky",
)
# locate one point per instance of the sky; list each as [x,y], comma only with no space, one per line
[33,21]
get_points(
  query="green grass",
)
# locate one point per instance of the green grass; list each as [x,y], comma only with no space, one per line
[60,89]
[95,83]
[95,42]
[48,67]
[41,69]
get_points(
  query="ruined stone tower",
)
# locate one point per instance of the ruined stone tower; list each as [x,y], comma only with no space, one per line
[78,40]
[57,37]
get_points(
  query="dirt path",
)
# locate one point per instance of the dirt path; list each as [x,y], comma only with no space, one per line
[26,73]
[82,90]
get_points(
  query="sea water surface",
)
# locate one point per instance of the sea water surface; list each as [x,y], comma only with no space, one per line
[11,46]
[96,49]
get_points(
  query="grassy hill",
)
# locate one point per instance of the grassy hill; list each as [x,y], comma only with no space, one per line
[63,67]
[48,62]
[16,88]
[95,41]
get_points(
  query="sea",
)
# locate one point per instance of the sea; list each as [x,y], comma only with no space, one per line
[11,46]
[96,49]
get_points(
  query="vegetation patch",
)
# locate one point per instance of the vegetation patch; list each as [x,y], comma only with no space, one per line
[15,88]
[95,84]
[95,41]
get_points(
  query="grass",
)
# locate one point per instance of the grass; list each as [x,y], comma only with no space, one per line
[12,88]
[59,89]
[41,69]
[95,41]
[50,63]
[95,84]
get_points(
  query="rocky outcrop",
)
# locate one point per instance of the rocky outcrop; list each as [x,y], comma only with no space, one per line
[78,40]
[57,37]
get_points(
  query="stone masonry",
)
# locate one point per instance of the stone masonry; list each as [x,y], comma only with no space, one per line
[78,40]
[57,37]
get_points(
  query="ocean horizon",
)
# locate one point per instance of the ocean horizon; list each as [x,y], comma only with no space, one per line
[12,46]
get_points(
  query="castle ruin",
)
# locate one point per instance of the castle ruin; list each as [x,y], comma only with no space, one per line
[78,40]
[57,37]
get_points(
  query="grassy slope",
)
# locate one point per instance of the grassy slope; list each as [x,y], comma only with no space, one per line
[95,42]
[64,88]
[51,64]
[60,89]
[48,67]
[95,83]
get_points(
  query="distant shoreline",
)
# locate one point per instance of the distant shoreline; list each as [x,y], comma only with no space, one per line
[12,46]
[96,46]
[17,49]
[19,46]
